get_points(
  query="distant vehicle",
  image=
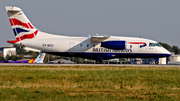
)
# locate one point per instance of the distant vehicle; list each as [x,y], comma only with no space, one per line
[97,47]
[61,61]
[39,59]
[143,61]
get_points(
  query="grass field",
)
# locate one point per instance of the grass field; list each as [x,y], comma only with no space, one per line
[89,83]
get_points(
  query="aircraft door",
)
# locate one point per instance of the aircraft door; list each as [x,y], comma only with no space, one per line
[71,48]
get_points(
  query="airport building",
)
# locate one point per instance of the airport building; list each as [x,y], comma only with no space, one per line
[174,59]
[4,51]
[163,61]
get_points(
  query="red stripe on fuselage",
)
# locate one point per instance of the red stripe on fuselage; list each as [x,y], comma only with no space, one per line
[137,42]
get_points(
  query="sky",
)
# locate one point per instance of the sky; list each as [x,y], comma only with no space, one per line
[158,20]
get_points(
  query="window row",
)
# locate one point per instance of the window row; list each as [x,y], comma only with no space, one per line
[87,45]
[154,44]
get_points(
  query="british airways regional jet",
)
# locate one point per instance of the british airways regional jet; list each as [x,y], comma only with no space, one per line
[97,47]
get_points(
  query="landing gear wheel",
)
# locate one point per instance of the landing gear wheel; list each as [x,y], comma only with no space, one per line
[99,61]
[156,62]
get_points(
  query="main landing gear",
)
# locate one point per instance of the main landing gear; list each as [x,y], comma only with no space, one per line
[99,61]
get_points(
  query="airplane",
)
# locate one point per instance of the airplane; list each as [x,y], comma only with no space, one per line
[39,59]
[98,47]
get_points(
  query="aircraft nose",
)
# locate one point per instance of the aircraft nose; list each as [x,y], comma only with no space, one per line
[166,52]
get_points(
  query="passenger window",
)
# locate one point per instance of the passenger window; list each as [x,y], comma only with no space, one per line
[81,45]
[87,45]
[130,46]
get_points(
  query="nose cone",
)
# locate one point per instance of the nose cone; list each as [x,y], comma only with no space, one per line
[165,52]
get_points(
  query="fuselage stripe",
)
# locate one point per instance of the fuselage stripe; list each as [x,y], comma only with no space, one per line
[136,42]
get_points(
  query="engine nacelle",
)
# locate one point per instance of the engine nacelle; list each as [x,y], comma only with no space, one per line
[117,45]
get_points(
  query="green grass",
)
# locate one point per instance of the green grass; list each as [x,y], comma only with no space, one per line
[89,83]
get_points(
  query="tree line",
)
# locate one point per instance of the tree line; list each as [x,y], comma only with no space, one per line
[173,49]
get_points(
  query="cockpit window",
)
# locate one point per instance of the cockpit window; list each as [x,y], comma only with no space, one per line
[154,44]
[151,44]
[158,44]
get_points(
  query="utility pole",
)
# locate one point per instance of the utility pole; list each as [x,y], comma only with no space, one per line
[48,57]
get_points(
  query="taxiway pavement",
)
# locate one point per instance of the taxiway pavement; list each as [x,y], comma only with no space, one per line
[137,65]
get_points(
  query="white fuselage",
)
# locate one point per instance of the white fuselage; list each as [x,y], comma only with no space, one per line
[71,45]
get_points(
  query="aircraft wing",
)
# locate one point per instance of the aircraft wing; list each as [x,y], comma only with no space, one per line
[99,38]
[32,49]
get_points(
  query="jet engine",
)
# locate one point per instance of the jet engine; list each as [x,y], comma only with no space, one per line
[117,45]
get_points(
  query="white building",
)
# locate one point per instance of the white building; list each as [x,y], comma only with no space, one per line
[162,60]
[147,60]
[7,51]
[174,59]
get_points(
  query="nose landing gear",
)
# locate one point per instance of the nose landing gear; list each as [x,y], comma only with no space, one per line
[156,62]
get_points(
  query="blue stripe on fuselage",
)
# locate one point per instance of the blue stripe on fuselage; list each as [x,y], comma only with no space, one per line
[109,55]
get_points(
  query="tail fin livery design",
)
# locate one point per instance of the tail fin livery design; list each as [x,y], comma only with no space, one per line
[39,59]
[22,27]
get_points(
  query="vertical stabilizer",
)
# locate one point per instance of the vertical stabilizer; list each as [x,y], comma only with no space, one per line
[40,58]
[22,27]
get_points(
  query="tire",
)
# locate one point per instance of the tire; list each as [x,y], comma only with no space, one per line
[156,62]
[99,61]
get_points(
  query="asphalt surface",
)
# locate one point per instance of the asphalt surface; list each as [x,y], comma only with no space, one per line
[138,65]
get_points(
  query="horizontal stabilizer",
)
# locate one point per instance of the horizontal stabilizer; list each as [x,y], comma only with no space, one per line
[99,38]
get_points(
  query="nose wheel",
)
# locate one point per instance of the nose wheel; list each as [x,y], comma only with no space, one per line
[156,62]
